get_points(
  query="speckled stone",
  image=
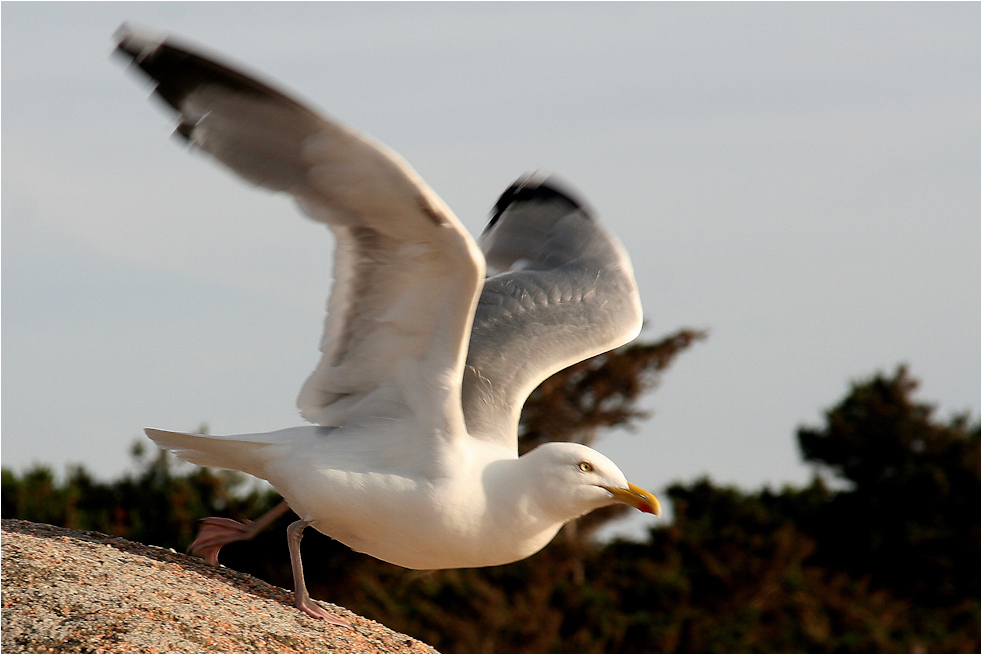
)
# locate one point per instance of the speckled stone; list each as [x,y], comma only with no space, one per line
[65,591]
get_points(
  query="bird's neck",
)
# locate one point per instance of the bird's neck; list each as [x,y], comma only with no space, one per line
[515,497]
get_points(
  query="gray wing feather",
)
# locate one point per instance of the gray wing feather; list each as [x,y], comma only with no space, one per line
[565,291]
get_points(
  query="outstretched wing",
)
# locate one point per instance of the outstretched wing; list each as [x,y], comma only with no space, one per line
[407,274]
[564,291]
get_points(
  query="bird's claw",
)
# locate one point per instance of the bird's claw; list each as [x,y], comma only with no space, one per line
[312,609]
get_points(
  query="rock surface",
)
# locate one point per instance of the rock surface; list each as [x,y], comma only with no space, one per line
[67,591]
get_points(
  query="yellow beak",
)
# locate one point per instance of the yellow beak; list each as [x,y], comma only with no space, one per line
[635,496]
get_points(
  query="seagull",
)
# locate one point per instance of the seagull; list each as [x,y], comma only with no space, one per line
[431,344]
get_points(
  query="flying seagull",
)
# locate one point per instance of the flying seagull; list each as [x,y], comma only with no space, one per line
[411,453]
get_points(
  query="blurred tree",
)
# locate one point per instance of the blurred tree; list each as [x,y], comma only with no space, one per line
[734,573]
[910,517]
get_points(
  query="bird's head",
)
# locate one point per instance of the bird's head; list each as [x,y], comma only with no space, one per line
[572,479]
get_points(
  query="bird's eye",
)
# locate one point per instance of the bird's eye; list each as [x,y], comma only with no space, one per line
[586,467]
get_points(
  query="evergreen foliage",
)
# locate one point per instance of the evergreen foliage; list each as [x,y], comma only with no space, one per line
[888,563]
[913,483]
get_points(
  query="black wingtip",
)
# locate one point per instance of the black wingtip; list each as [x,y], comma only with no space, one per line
[535,187]
[178,68]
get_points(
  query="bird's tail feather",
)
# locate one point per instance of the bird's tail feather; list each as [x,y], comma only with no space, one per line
[241,452]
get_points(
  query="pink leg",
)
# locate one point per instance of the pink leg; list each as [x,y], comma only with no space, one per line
[301,598]
[215,532]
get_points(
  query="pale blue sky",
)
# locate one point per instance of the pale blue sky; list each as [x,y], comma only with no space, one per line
[800,179]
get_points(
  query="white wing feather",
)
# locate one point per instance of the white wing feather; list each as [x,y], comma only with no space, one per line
[407,274]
